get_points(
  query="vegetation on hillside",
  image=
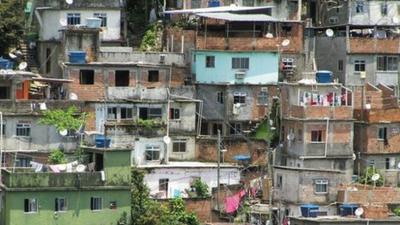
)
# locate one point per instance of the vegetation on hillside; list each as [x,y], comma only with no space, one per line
[69,119]
[11,24]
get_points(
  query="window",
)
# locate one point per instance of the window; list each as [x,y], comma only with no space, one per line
[112,113]
[150,113]
[220,97]
[86,77]
[262,97]
[390,163]
[174,114]
[316,136]
[48,60]
[4,129]
[179,145]
[23,130]
[300,135]
[216,127]
[60,205]
[4,92]
[384,9]
[340,65]
[30,205]
[96,203]
[288,63]
[359,7]
[23,162]
[152,152]
[382,134]
[163,186]
[103,17]
[239,98]
[240,63]
[387,163]
[126,113]
[210,61]
[236,128]
[371,162]
[279,181]
[196,4]
[387,63]
[321,186]
[248,3]
[122,78]
[153,76]
[359,65]
[73,18]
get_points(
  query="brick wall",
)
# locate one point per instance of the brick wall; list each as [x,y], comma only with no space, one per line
[374,46]
[90,92]
[201,207]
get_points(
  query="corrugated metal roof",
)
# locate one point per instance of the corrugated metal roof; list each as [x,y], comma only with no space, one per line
[231,8]
[238,17]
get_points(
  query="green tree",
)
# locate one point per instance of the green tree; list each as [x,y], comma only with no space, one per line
[201,188]
[57,157]
[366,178]
[68,119]
[11,23]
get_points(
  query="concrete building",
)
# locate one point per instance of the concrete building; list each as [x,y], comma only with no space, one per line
[317,136]
[100,195]
[340,220]
[376,131]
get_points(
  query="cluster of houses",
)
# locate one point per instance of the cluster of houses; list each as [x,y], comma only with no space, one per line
[321,75]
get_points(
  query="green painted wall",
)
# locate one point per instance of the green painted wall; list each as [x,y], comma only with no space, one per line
[117,167]
[78,204]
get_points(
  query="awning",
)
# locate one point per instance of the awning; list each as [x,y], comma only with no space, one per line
[238,17]
[231,8]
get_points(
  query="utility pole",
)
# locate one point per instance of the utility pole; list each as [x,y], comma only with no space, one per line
[219,167]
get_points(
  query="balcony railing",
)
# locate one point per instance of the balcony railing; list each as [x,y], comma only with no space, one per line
[320,112]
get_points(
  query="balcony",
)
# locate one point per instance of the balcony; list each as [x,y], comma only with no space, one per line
[320,112]
[374,45]
[36,106]
[27,178]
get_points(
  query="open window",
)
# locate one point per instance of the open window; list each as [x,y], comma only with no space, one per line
[30,205]
[86,77]
[154,76]
[150,113]
[122,78]
[4,92]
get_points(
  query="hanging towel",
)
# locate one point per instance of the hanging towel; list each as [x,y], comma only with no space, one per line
[232,202]
[54,168]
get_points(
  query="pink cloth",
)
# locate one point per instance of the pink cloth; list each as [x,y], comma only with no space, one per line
[54,168]
[232,202]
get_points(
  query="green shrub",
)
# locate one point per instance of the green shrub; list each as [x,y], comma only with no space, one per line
[57,157]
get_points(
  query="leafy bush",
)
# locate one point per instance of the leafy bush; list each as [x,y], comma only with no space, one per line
[397,211]
[366,178]
[152,38]
[63,120]
[57,157]
[201,188]
[148,123]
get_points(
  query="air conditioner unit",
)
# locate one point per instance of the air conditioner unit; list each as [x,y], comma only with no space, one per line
[363,74]
[264,89]
[162,58]
[239,75]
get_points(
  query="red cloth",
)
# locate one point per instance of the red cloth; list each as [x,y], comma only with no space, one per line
[232,202]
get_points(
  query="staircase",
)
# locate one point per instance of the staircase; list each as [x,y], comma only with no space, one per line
[29,56]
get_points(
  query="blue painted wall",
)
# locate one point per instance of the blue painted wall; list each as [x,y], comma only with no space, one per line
[263,67]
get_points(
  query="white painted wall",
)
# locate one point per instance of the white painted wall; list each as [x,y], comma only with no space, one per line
[180,178]
[51,24]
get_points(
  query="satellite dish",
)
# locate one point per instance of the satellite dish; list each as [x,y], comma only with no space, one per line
[354,157]
[375,177]
[167,139]
[12,56]
[22,66]
[63,22]
[285,42]
[69,2]
[329,32]
[80,168]
[290,137]
[269,35]
[359,211]
[63,132]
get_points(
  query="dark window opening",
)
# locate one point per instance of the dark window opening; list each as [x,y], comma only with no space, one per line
[150,113]
[112,113]
[163,186]
[60,205]
[122,78]
[86,77]
[96,203]
[126,113]
[179,146]
[48,60]
[204,129]
[154,76]
[4,92]
[220,97]
[73,18]
[99,166]
[210,61]
[316,136]
[382,135]
[174,114]
[216,127]
[113,205]
[30,205]
[239,99]
[236,129]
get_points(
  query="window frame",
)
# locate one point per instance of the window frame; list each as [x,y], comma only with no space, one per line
[321,183]
[210,61]
[360,7]
[239,98]
[340,65]
[262,97]
[382,133]
[390,63]
[175,113]
[151,75]
[152,149]
[23,130]
[320,138]
[179,143]
[359,65]
[57,205]
[220,97]
[93,203]
[241,63]
[235,129]
[73,19]
[89,77]
[103,17]
[28,209]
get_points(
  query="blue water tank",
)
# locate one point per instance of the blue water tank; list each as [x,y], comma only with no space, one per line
[213,3]
[324,76]
[6,64]
[309,210]
[102,142]
[77,57]
[347,209]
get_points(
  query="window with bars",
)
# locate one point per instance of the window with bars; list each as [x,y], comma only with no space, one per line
[220,97]
[236,128]
[174,114]
[359,65]
[239,98]
[387,63]
[96,203]
[73,18]
[321,186]
[316,136]
[262,98]
[240,63]
[152,152]
[210,61]
[30,205]
[60,205]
